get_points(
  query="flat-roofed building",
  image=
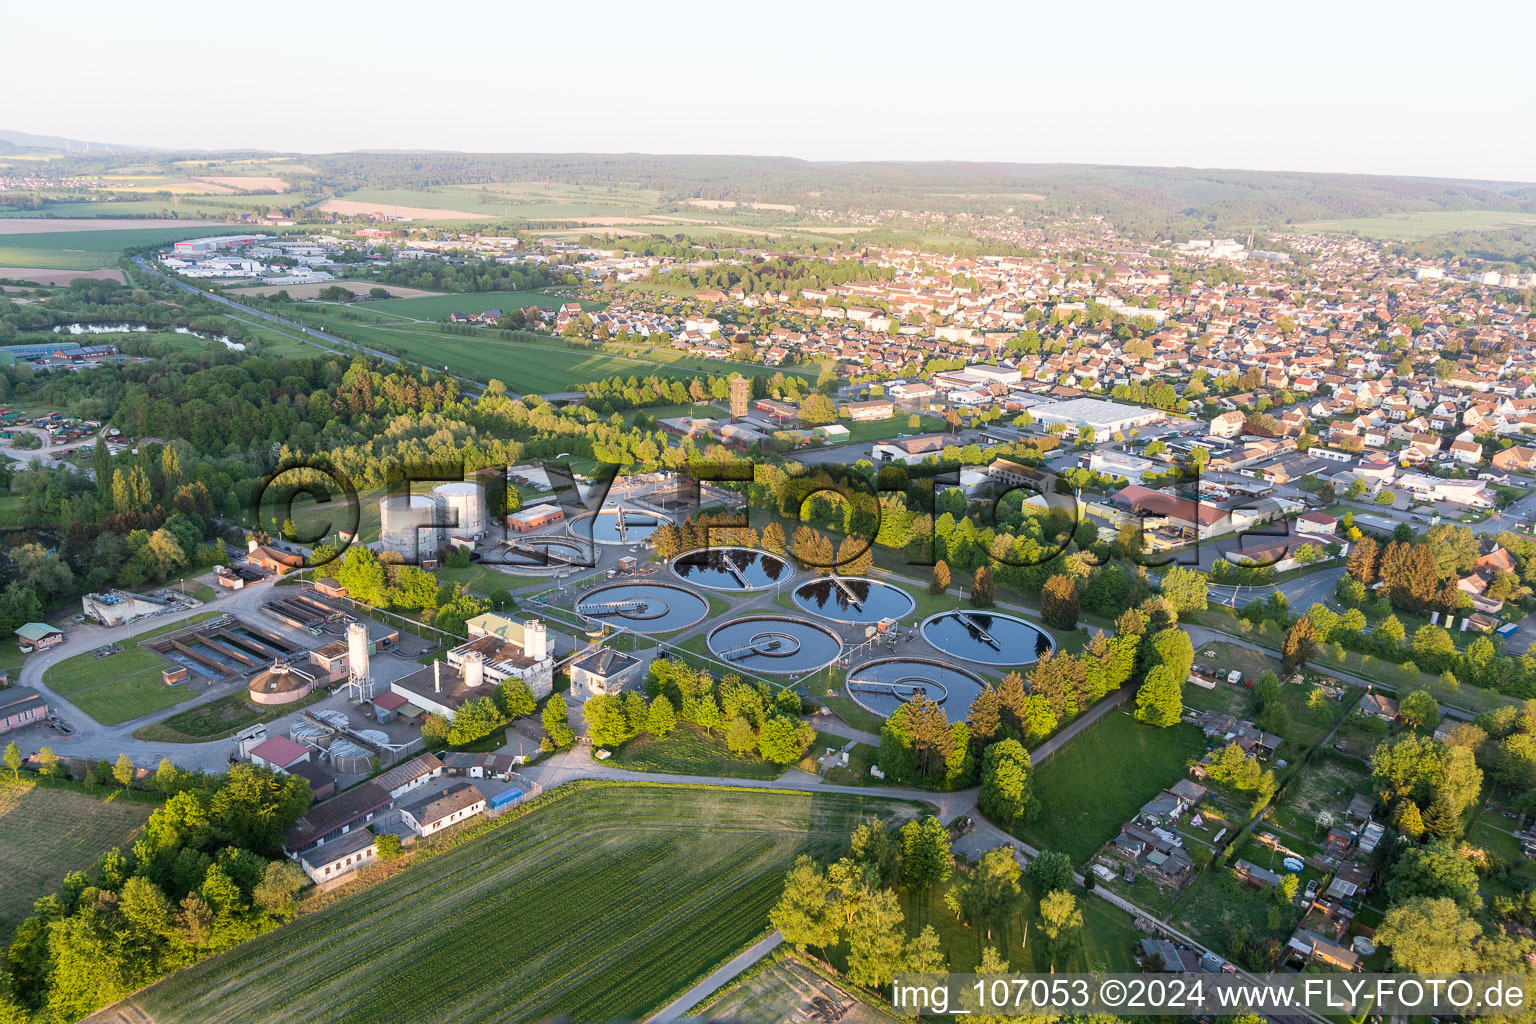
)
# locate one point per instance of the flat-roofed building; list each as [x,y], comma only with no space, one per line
[1104,417]
[535,517]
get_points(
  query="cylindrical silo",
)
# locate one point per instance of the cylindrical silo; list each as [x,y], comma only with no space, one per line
[357,649]
[460,508]
[405,523]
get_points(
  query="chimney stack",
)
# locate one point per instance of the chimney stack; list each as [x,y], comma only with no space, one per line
[437,677]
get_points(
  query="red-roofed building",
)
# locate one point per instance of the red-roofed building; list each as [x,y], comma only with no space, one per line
[279,752]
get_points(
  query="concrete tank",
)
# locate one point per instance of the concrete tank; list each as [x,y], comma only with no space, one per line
[460,508]
[350,759]
[405,523]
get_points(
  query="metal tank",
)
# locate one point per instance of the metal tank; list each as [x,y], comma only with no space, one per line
[405,523]
[461,502]
[357,649]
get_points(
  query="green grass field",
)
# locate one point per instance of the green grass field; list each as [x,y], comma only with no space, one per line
[527,364]
[1099,780]
[437,307]
[1411,227]
[603,904]
[122,686]
[89,250]
[45,833]
[123,700]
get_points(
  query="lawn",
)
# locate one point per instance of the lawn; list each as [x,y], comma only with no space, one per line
[689,750]
[47,832]
[85,669]
[89,250]
[437,307]
[129,697]
[1094,784]
[603,903]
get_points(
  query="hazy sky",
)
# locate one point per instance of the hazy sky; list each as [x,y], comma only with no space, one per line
[1346,85]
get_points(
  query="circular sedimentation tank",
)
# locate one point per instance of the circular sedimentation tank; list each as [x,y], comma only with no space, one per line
[643,607]
[775,645]
[304,731]
[544,555]
[332,717]
[853,599]
[883,685]
[732,568]
[987,638]
[613,527]
[405,526]
[350,759]
[378,737]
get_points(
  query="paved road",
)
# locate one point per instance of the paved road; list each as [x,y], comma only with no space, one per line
[91,739]
[712,984]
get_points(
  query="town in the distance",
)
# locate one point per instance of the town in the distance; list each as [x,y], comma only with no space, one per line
[500,588]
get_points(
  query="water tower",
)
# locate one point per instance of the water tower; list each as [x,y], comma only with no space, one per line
[359,673]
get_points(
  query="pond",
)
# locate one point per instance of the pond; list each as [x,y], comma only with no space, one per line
[79,329]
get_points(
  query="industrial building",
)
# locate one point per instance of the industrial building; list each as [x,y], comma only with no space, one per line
[37,636]
[116,607]
[1104,418]
[201,246]
[603,671]
[432,814]
[19,706]
[535,517]
[498,649]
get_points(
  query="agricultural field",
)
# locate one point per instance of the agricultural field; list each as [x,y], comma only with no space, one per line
[314,288]
[1094,784]
[85,250]
[438,307]
[1411,227]
[45,833]
[605,903]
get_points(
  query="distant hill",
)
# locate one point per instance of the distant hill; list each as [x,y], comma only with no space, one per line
[10,140]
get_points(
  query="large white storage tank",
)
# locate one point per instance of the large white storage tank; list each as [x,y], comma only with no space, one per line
[401,521]
[357,649]
[461,502]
